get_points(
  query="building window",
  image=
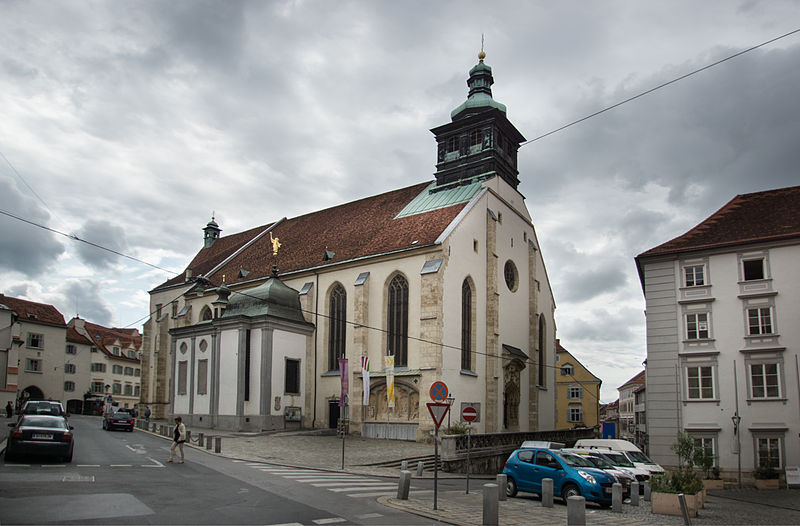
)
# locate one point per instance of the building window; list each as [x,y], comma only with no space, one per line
[128,390]
[115,350]
[759,321]
[452,144]
[206,314]
[202,377]
[131,354]
[466,326]
[541,352]
[694,276]
[35,341]
[33,365]
[511,275]
[69,386]
[697,326]
[574,414]
[93,349]
[337,310]
[183,367]
[700,383]
[136,390]
[129,371]
[567,370]
[398,321]
[706,444]
[476,138]
[116,369]
[769,452]
[764,380]
[98,387]
[753,269]
[575,392]
[98,367]
[117,389]
[137,372]
[69,368]
[292,380]
[71,349]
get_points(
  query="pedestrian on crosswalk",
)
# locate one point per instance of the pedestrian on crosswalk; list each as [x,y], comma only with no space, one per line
[179,437]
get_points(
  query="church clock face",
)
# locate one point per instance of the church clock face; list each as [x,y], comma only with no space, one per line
[511,275]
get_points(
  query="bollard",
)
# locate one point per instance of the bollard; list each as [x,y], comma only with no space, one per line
[490,505]
[634,494]
[217,444]
[684,509]
[502,481]
[616,497]
[404,484]
[208,441]
[647,491]
[547,493]
[576,511]
[200,438]
[189,436]
[404,465]
[420,467]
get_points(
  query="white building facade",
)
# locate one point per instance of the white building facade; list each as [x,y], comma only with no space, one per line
[723,338]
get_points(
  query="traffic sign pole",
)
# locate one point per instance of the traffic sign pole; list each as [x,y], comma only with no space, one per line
[435,467]
[469,433]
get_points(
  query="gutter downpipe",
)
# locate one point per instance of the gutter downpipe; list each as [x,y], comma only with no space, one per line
[316,343]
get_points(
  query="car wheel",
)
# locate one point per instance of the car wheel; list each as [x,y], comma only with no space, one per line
[68,458]
[9,456]
[570,490]
[130,430]
[511,487]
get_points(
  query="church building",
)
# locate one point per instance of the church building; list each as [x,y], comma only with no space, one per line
[440,281]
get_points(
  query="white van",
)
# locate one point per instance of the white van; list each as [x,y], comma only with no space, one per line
[634,454]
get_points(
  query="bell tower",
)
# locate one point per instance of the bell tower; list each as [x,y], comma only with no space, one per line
[211,233]
[480,141]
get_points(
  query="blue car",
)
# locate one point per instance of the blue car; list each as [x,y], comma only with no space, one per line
[571,474]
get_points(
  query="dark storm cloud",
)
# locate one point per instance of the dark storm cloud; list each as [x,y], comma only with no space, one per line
[83,298]
[25,248]
[105,234]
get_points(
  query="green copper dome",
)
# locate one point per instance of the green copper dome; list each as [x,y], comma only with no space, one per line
[480,92]
[272,298]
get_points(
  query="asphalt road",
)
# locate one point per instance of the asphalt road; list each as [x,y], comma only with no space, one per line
[123,478]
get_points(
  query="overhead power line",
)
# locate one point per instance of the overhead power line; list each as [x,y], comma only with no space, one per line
[665,84]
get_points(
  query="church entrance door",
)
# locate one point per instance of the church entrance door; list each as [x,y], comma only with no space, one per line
[333,414]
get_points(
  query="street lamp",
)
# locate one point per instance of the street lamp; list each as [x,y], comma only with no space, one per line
[449,401]
[736,419]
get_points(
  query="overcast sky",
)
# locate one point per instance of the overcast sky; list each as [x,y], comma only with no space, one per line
[131,122]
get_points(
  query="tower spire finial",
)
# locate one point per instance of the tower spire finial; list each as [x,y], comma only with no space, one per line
[481,55]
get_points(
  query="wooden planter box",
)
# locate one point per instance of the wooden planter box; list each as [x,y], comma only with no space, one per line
[767,484]
[668,504]
[712,484]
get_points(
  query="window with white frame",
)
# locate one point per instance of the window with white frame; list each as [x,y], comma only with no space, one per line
[129,371]
[117,389]
[694,275]
[69,368]
[128,390]
[700,382]
[759,321]
[768,450]
[753,269]
[33,365]
[35,340]
[567,370]
[69,386]
[98,367]
[116,369]
[574,414]
[137,372]
[575,392]
[136,390]
[93,349]
[71,349]
[131,354]
[697,326]
[97,387]
[765,380]
[115,350]
[707,445]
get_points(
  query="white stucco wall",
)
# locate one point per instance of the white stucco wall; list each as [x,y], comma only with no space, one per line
[287,345]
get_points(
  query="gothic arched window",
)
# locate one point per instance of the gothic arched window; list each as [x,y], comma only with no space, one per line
[206,314]
[397,323]
[466,326]
[540,351]
[337,326]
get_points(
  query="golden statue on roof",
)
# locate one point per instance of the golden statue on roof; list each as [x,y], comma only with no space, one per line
[275,244]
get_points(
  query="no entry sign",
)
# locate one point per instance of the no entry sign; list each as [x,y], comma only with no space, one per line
[469,414]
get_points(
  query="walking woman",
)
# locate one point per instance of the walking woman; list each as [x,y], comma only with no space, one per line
[179,437]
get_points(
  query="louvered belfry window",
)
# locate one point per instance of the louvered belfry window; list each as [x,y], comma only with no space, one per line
[338,327]
[398,321]
[466,326]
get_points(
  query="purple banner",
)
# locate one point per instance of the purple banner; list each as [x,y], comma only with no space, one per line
[345,380]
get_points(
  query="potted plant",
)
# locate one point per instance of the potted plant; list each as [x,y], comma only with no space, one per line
[767,477]
[705,461]
[666,488]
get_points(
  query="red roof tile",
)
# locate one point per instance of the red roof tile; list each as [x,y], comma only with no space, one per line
[33,312]
[105,338]
[76,337]
[358,229]
[638,379]
[747,218]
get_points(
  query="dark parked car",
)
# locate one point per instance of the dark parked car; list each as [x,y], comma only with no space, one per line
[40,435]
[121,418]
[43,407]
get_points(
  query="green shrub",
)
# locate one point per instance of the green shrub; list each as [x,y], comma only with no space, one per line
[684,479]
[766,472]
[459,428]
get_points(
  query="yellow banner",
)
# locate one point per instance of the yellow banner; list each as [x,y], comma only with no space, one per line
[388,362]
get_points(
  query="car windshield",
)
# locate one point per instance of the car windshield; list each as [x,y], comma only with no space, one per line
[38,421]
[617,459]
[599,462]
[638,456]
[576,461]
[42,409]
[125,410]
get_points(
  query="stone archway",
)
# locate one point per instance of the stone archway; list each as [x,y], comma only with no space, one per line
[32,393]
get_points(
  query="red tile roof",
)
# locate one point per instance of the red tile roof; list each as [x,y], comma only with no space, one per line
[747,218]
[76,337]
[30,311]
[639,380]
[105,338]
[358,229]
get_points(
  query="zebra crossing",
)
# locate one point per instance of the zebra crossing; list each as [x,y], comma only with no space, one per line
[355,486]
